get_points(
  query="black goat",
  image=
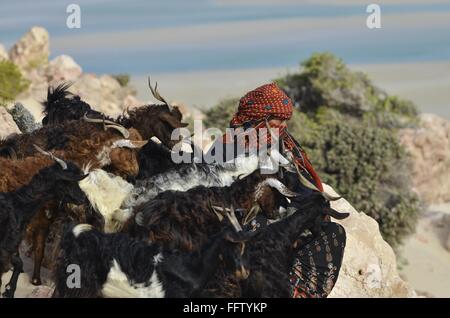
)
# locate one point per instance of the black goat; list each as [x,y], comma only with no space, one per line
[115,265]
[62,106]
[58,183]
[272,251]
[184,220]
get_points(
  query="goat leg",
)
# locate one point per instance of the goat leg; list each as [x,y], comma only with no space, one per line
[39,251]
[10,288]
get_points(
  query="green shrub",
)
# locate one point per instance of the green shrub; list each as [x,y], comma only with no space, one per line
[349,129]
[326,80]
[11,81]
[123,79]
[220,115]
[364,163]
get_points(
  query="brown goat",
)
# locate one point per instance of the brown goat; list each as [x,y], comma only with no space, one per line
[154,120]
[84,144]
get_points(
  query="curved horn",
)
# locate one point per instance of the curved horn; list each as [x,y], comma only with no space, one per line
[125,133]
[156,94]
[233,220]
[280,187]
[139,218]
[336,214]
[49,154]
[110,124]
[95,120]
[311,186]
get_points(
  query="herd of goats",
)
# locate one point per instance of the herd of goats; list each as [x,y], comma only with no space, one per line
[106,196]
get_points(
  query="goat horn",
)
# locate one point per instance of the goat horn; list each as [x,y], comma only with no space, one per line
[139,218]
[95,120]
[311,186]
[233,220]
[156,94]
[214,208]
[125,133]
[110,124]
[125,110]
[336,214]
[49,154]
[277,184]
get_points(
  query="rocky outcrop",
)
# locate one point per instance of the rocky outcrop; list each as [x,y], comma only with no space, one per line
[31,53]
[7,124]
[23,118]
[62,68]
[103,93]
[429,147]
[369,268]
[3,53]
[32,50]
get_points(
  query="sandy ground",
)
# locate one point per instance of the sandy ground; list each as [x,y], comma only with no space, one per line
[24,288]
[427,266]
[426,84]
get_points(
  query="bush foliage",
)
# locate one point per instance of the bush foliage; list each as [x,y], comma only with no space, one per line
[123,79]
[11,81]
[349,129]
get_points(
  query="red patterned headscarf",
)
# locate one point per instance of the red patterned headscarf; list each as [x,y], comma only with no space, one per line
[269,102]
[263,102]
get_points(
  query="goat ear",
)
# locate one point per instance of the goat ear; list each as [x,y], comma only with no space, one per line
[176,112]
[172,121]
[139,143]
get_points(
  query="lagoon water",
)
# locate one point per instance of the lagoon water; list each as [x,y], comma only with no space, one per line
[233,42]
[260,35]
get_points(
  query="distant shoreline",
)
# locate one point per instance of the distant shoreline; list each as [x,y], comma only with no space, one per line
[425,83]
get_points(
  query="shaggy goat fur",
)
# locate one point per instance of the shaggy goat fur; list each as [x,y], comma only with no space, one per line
[17,208]
[150,120]
[95,152]
[62,106]
[106,192]
[185,220]
[115,265]
[81,142]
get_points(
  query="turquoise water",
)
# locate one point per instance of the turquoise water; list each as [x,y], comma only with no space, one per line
[423,42]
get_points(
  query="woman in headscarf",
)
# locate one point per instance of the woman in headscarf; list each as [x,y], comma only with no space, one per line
[319,256]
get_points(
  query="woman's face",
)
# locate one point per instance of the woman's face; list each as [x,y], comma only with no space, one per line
[278,122]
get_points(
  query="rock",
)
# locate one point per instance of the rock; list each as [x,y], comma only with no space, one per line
[32,50]
[429,147]
[130,102]
[62,68]
[7,124]
[3,53]
[23,118]
[41,292]
[369,267]
[103,93]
